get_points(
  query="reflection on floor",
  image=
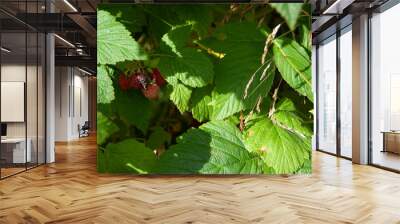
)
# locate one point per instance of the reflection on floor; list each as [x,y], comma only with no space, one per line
[387,159]
[71,191]
[10,169]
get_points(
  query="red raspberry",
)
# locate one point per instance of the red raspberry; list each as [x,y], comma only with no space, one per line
[138,81]
[151,92]
[123,82]
[157,77]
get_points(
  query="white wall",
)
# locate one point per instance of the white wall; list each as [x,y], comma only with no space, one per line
[70,84]
[33,127]
[16,73]
[61,103]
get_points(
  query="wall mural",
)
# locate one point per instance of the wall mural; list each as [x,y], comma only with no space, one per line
[204,89]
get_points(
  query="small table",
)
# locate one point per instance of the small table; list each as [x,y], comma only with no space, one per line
[391,141]
[18,150]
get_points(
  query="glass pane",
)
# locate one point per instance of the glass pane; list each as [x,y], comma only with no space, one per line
[32,98]
[314,77]
[327,96]
[13,86]
[41,99]
[346,93]
[32,89]
[385,84]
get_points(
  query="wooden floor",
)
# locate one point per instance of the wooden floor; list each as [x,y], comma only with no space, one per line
[70,191]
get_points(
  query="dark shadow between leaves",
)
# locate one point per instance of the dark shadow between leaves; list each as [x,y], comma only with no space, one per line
[190,155]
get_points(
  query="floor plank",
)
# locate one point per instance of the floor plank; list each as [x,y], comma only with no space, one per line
[71,191]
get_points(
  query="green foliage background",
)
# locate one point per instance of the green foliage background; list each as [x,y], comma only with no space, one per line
[238,99]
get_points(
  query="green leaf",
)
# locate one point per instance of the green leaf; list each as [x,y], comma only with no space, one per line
[294,64]
[105,128]
[242,43]
[306,168]
[177,61]
[114,41]
[101,160]
[129,156]
[131,16]
[176,39]
[235,73]
[289,11]
[215,148]
[158,138]
[225,105]
[269,170]
[192,67]
[105,88]
[305,36]
[282,149]
[180,95]
[201,97]
[287,115]
[235,33]
[199,16]
[134,109]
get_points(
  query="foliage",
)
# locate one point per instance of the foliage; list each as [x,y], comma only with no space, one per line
[209,89]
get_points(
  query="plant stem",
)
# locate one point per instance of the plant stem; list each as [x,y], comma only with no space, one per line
[274,99]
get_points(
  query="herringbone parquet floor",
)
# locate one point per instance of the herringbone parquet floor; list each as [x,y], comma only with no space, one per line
[70,191]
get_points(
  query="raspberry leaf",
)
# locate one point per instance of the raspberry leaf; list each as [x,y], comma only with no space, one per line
[289,11]
[200,103]
[105,128]
[192,68]
[287,115]
[215,148]
[134,109]
[114,41]
[129,156]
[282,149]
[294,65]
[180,95]
[242,45]
[105,88]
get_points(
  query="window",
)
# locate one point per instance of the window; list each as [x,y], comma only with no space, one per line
[385,89]
[22,77]
[346,92]
[327,95]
